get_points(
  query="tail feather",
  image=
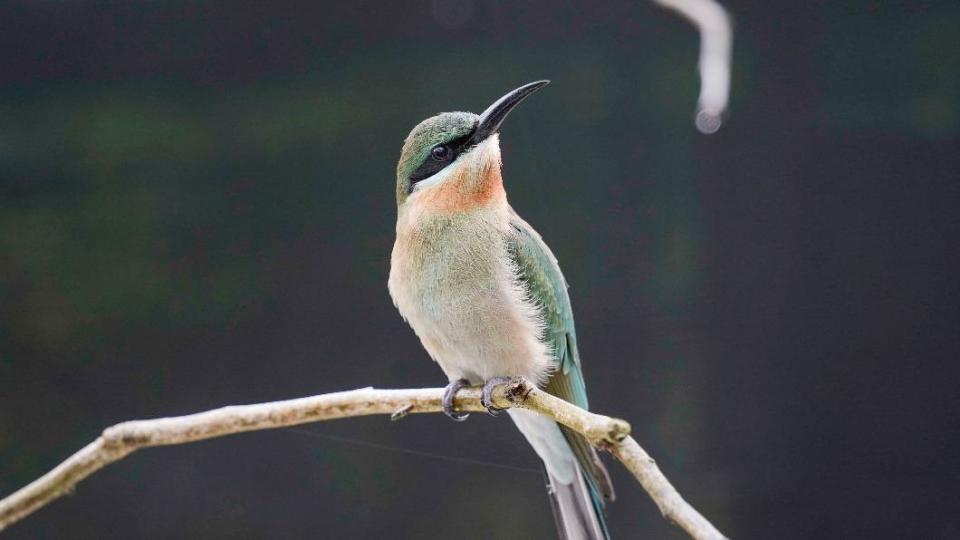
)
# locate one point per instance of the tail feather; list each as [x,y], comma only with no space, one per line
[576,493]
[577,509]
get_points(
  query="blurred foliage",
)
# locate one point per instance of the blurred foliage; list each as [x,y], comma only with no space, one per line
[157,205]
[898,73]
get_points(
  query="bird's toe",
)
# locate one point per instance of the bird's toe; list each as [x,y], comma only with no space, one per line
[448,395]
[486,397]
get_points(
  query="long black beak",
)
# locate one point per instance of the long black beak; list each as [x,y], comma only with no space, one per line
[495,114]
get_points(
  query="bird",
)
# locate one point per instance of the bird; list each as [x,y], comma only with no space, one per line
[487,299]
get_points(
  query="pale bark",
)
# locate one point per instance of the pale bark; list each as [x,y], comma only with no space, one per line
[118,441]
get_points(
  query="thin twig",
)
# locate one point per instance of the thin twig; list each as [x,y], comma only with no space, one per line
[120,440]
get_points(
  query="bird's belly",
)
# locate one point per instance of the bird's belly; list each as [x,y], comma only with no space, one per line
[469,313]
[478,337]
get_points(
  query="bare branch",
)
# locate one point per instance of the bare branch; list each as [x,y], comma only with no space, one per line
[668,500]
[120,440]
[716,41]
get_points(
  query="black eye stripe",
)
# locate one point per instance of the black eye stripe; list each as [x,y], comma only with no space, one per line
[432,165]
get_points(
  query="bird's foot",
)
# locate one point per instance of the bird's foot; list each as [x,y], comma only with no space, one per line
[486,397]
[449,394]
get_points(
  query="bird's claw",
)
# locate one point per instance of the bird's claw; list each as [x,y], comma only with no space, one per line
[486,397]
[448,395]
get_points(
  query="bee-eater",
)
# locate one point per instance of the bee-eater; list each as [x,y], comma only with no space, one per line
[486,297]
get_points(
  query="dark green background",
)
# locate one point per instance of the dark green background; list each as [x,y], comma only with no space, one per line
[196,209]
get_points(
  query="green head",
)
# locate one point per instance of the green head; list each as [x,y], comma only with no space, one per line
[441,140]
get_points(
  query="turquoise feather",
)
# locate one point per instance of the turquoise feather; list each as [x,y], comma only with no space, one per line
[538,272]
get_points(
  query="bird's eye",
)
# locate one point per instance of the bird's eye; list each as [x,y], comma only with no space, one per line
[439,152]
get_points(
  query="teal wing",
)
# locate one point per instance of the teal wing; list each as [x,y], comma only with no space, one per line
[538,271]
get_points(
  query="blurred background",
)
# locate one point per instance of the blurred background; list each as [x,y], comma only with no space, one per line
[197,209]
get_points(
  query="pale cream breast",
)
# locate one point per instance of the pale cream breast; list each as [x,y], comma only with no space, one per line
[452,280]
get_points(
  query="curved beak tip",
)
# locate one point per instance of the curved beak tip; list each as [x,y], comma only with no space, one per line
[493,117]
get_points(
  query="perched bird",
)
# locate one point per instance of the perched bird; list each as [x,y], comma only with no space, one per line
[486,297]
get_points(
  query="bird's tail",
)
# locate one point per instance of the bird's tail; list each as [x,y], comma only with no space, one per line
[577,509]
[577,503]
